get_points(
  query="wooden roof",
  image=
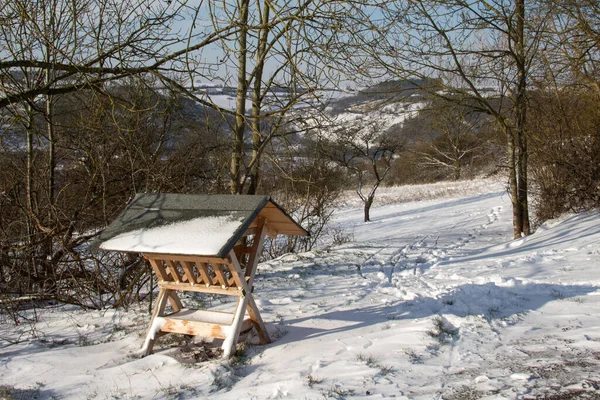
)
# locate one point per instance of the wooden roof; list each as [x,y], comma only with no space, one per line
[192,224]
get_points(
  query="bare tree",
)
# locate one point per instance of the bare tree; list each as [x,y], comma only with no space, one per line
[54,47]
[480,55]
[366,148]
[573,56]
[280,58]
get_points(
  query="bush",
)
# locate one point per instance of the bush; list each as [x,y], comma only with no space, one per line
[565,152]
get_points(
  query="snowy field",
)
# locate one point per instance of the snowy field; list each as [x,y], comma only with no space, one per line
[431,300]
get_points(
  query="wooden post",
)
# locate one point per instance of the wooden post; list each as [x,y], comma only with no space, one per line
[250,304]
[159,309]
[234,334]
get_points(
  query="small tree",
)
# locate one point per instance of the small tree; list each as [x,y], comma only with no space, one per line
[366,149]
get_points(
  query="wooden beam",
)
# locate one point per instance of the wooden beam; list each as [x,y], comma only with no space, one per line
[257,247]
[246,301]
[258,322]
[184,257]
[158,268]
[236,273]
[236,326]
[159,310]
[174,300]
[212,289]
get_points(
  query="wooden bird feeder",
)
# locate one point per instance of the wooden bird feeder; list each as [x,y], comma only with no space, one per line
[195,243]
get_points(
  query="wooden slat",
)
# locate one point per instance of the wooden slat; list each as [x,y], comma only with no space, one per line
[188,269]
[159,270]
[172,265]
[203,271]
[218,268]
[213,289]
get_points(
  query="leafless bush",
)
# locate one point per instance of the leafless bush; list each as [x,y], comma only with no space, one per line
[566,152]
[131,138]
[306,186]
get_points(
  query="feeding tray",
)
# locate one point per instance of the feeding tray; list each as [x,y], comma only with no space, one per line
[193,243]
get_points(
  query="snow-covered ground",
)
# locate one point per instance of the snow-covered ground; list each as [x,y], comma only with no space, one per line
[431,300]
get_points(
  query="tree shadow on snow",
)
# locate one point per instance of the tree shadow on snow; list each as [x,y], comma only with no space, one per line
[576,231]
[487,300]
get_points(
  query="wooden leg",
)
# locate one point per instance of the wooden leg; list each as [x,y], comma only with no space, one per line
[234,334]
[261,329]
[174,300]
[159,310]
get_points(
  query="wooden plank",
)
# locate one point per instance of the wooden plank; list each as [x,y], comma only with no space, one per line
[184,257]
[172,265]
[212,289]
[198,328]
[159,270]
[213,317]
[273,215]
[188,270]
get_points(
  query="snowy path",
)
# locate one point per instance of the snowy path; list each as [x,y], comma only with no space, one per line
[430,300]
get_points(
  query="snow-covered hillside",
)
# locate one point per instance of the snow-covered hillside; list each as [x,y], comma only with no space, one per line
[431,300]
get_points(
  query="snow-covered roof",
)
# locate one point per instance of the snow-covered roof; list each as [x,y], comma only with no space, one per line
[192,224]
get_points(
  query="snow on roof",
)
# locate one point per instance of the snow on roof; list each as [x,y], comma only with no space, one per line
[186,237]
[207,225]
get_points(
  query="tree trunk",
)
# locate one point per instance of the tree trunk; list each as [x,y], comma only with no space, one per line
[29,200]
[521,118]
[257,100]
[457,169]
[513,183]
[237,154]
[367,209]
